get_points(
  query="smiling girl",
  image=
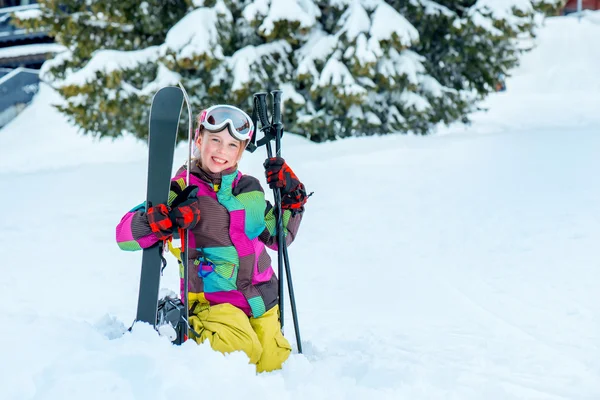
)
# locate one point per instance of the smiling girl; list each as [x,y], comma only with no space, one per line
[233,292]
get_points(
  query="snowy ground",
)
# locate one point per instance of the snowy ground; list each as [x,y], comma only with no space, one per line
[457,266]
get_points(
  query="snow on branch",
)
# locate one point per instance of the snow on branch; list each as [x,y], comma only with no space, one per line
[411,99]
[336,74]
[318,47]
[367,51]
[354,21]
[256,10]
[98,21]
[56,62]
[197,34]
[289,93]
[164,77]
[485,11]
[281,10]
[503,9]
[386,22]
[433,8]
[242,61]
[432,87]
[407,63]
[107,61]
[24,15]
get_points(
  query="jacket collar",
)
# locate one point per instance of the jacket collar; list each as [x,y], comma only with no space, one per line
[210,177]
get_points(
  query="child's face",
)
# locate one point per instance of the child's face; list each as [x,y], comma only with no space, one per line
[218,151]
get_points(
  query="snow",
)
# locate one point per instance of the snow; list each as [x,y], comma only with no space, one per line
[433,8]
[255,9]
[462,265]
[28,14]
[354,21]
[502,9]
[407,63]
[243,60]
[290,93]
[499,9]
[318,47]
[386,23]
[557,84]
[29,49]
[337,76]
[107,61]
[363,53]
[197,34]
[286,10]
[432,87]
[410,99]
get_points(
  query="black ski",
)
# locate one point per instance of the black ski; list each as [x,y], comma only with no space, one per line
[164,122]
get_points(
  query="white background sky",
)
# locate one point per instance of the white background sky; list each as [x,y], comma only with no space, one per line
[462,265]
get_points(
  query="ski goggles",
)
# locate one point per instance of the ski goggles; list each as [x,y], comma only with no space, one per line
[237,122]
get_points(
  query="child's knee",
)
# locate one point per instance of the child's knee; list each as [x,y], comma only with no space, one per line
[275,351]
[227,329]
[276,348]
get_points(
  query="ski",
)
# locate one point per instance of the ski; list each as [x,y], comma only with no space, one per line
[164,122]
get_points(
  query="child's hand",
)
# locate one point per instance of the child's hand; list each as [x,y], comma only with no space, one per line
[185,210]
[280,175]
[160,222]
[184,213]
[295,200]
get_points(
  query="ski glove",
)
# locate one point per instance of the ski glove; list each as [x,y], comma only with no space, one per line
[160,222]
[183,213]
[280,175]
[295,200]
[185,210]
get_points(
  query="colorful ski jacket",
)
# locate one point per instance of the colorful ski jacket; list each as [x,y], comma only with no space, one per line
[228,262]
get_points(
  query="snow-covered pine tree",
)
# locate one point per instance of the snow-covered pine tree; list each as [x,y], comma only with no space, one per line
[357,75]
[549,7]
[225,51]
[264,36]
[467,46]
[347,67]
[111,68]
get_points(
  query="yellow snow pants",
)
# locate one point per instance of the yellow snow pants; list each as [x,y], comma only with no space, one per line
[229,329]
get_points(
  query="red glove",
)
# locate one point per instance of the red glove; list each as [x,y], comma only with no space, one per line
[184,213]
[295,200]
[185,210]
[160,222]
[280,175]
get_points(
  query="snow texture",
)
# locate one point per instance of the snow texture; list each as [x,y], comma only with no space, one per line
[354,21]
[31,49]
[28,14]
[461,265]
[499,9]
[433,8]
[107,61]
[387,23]
[243,60]
[286,10]
[197,34]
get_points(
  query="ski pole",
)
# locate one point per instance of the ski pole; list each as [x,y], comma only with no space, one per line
[278,126]
[275,131]
[260,104]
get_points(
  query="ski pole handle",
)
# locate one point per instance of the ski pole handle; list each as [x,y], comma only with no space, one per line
[277,125]
[260,102]
[276,106]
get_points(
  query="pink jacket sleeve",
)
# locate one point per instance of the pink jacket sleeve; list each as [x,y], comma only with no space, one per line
[133,232]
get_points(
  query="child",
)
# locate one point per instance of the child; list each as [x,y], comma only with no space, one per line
[233,293]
